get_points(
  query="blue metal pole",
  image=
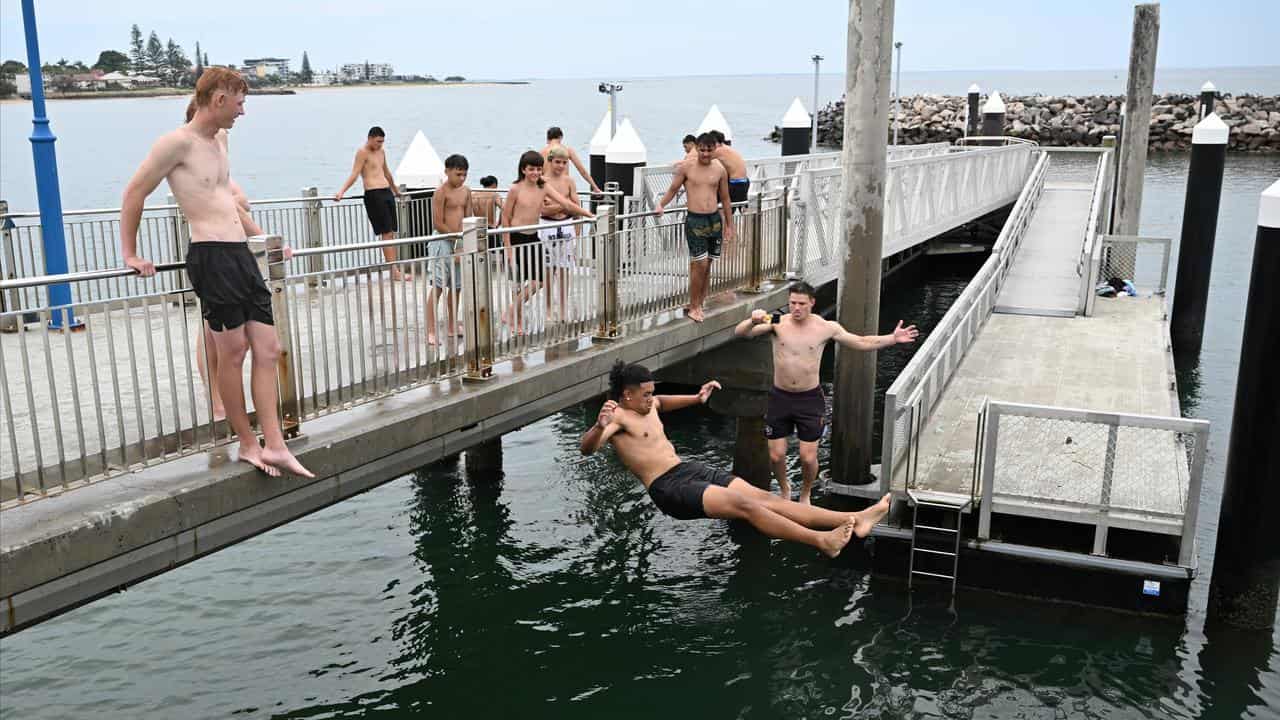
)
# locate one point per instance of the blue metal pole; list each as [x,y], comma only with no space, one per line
[46,166]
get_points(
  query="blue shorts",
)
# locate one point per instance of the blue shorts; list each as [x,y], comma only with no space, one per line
[445,273]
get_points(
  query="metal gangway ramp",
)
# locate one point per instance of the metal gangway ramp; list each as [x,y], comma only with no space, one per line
[1035,398]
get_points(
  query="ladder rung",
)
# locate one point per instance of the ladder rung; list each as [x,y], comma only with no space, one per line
[934,552]
[943,506]
[936,529]
[933,575]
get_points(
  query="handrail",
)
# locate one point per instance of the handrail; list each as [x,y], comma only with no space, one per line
[1085,266]
[906,391]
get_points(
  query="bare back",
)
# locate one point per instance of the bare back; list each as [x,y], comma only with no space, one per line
[732,161]
[453,204]
[484,203]
[702,185]
[797,351]
[201,183]
[642,444]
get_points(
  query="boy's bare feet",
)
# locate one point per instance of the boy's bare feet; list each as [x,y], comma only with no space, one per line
[695,314]
[833,541]
[251,453]
[868,518]
[284,461]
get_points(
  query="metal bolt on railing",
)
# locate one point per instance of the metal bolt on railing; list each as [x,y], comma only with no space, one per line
[476,298]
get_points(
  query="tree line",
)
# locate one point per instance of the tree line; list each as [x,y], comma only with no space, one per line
[166,61]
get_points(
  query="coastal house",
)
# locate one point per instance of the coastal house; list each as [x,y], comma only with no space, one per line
[365,72]
[267,67]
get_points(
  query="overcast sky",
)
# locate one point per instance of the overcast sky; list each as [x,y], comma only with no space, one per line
[508,39]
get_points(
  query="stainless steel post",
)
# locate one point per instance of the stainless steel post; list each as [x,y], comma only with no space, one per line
[8,300]
[607,254]
[286,371]
[313,235]
[476,299]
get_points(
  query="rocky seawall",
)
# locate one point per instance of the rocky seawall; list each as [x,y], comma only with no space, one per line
[1063,121]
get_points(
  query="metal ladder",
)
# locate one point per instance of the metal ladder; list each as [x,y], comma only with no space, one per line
[956,505]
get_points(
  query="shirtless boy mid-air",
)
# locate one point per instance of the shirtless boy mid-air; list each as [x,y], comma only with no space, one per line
[705,184]
[688,490]
[224,274]
[796,402]
[380,192]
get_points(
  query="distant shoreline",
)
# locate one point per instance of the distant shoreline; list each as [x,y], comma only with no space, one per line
[290,90]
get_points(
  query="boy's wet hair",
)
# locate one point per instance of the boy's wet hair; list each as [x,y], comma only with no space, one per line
[689,139]
[456,162]
[488,181]
[803,288]
[554,133]
[376,131]
[624,375]
[557,153]
[717,136]
[706,139]
[529,158]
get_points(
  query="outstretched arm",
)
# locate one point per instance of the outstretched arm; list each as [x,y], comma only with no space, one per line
[755,326]
[667,403]
[599,434]
[570,206]
[900,335]
[577,162]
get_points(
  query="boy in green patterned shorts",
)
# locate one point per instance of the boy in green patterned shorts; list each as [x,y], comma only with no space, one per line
[706,184]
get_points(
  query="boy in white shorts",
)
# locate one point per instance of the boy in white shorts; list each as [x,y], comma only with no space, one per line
[560,242]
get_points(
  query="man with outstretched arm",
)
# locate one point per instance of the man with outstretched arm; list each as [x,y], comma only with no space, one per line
[706,185]
[688,490]
[224,274]
[796,403]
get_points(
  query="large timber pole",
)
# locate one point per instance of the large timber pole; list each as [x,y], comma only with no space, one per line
[1137,117]
[867,66]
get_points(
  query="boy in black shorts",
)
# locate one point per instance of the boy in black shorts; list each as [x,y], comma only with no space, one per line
[690,490]
[380,192]
[796,403]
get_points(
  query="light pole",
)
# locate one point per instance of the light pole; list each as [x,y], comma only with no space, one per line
[897,92]
[612,90]
[813,132]
[47,194]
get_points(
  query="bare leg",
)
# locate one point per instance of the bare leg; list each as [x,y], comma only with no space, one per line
[778,460]
[719,502]
[451,307]
[389,254]
[265,347]
[697,288]
[232,346]
[808,468]
[812,515]
[432,297]
[207,363]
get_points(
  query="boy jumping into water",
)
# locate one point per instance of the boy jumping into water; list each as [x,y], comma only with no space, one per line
[688,490]
[705,183]
[380,191]
[234,299]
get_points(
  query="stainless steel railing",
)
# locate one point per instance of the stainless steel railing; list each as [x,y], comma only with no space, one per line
[913,394]
[126,391]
